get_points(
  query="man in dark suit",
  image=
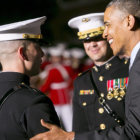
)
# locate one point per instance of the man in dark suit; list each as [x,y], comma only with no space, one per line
[122,30]
[21,107]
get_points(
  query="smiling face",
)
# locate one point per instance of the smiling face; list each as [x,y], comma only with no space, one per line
[98,50]
[116,30]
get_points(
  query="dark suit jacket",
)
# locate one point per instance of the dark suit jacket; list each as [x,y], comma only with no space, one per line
[131,130]
[21,113]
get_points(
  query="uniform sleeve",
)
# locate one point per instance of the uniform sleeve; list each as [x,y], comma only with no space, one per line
[40,108]
[78,112]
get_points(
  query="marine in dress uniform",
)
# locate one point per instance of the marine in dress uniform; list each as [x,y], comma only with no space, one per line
[107,82]
[22,107]
[108,77]
[77,55]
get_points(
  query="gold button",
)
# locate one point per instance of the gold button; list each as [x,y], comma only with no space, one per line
[79,74]
[126,61]
[107,66]
[101,110]
[119,98]
[118,121]
[102,126]
[95,68]
[23,83]
[102,94]
[84,104]
[101,78]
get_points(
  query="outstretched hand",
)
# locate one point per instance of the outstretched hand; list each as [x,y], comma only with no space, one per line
[54,133]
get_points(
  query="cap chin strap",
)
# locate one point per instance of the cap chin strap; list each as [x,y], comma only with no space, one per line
[32,36]
[16,36]
[91,32]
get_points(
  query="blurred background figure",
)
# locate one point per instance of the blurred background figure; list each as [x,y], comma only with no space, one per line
[88,63]
[45,60]
[67,63]
[66,58]
[78,55]
[61,45]
[56,86]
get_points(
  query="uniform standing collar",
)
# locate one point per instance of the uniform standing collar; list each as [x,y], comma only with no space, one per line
[14,76]
[106,61]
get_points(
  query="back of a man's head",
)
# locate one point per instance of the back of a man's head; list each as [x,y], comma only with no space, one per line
[7,48]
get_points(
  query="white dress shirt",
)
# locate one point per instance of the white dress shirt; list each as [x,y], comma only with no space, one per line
[133,54]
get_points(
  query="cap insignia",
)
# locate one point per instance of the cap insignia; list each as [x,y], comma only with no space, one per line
[85,20]
[107,66]
[95,68]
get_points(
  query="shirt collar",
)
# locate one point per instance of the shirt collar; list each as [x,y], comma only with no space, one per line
[133,54]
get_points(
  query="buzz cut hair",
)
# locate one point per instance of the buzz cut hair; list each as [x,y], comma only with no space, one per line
[7,48]
[127,7]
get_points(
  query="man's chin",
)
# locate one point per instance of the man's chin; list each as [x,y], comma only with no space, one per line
[116,52]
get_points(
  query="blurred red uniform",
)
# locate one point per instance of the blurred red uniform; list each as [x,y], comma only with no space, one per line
[57,87]
[57,84]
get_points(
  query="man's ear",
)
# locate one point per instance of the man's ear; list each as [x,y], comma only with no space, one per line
[21,53]
[131,22]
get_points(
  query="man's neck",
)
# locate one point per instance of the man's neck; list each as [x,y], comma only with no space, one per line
[133,41]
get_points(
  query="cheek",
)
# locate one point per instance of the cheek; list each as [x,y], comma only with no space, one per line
[117,33]
[112,31]
[103,51]
[86,47]
[102,46]
[116,49]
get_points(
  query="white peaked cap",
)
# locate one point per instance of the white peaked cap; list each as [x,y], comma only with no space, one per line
[54,51]
[44,49]
[28,29]
[61,46]
[66,53]
[77,53]
[89,25]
